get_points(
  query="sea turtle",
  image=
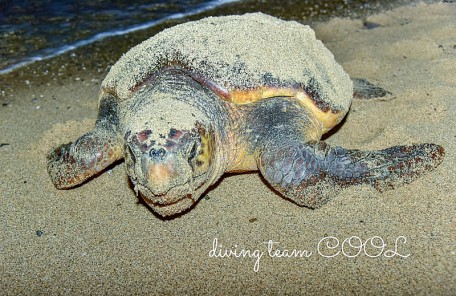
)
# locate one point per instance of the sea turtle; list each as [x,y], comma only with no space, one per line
[230,94]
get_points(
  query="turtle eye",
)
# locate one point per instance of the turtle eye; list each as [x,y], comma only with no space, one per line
[192,153]
[130,152]
[131,160]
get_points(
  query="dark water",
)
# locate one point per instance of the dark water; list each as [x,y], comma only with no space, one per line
[34,30]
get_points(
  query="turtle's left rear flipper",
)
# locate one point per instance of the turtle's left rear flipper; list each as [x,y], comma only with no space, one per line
[311,174]
[363,89]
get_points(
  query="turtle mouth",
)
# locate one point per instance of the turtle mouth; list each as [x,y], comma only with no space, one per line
[174,195]
[170,197]
[155,205]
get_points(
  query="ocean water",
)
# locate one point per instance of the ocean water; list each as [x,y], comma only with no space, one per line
[33,30]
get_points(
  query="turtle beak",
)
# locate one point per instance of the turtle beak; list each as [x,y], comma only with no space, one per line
[166,175]
[169,172]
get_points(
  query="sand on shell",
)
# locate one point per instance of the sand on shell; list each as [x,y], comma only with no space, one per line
[98,238]
[214,49]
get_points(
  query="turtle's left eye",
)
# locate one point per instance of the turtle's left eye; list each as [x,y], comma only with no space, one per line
[132,155]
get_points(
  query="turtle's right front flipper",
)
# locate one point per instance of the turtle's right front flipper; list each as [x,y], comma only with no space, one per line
[311,174]
[73,163]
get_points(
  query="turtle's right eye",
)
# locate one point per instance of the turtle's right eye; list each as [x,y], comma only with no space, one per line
[192,153]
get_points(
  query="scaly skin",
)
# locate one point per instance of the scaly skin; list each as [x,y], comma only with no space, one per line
[184,108]
[310,172]
[176,141]
[277,136]
[73,163]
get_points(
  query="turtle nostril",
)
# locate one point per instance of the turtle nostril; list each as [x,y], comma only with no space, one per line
[157,153]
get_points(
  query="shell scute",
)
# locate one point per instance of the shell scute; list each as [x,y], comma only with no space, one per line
[270,58]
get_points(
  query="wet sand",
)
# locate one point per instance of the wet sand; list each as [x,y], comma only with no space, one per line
[100,238]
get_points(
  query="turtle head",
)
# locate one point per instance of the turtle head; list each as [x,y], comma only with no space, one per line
[170,169]
[170,139]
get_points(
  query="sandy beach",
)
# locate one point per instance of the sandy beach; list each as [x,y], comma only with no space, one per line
[99,238]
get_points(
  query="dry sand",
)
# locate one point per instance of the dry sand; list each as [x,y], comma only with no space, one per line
[98,238]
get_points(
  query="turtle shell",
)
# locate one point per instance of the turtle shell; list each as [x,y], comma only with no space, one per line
[244,59]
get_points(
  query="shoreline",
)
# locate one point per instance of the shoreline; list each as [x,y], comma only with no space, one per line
[97,57]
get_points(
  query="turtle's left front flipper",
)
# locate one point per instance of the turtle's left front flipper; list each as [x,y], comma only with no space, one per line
[311,174]
[73,163]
